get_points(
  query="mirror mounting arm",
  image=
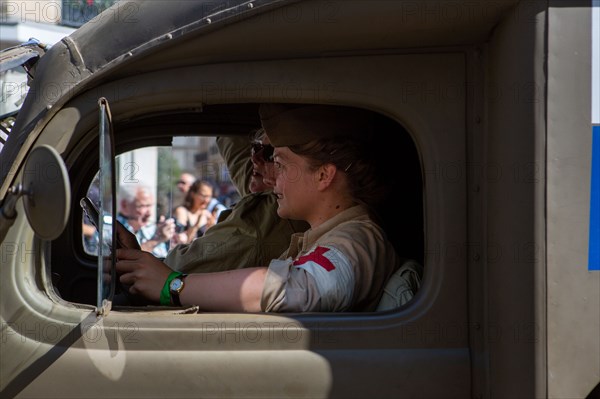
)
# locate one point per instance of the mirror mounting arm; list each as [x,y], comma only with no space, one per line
[8,214]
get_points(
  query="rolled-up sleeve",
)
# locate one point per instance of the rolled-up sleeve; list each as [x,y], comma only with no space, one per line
[322,280]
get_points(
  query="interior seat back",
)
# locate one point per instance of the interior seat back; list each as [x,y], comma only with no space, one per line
[402,285]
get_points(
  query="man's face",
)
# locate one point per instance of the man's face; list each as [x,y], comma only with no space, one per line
[261,168]
[185,181]
[140,210]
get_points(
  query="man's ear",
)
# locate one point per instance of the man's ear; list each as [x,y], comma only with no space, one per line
[325,175]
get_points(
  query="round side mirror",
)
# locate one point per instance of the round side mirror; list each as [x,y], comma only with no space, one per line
[47,198]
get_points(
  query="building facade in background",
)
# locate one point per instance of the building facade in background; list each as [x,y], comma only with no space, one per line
[46,20]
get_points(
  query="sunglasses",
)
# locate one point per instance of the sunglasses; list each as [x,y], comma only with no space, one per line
[266,149]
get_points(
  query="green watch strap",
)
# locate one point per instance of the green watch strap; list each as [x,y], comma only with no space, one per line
[165,293]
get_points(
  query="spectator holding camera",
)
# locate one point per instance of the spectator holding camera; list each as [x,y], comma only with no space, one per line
[135,213]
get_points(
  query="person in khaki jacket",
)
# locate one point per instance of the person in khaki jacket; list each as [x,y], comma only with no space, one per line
[249,234]
[324,174]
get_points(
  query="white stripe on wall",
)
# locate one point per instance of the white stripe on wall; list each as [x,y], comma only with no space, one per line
[596,62]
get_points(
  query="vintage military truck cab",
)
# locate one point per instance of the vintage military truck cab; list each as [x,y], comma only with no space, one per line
[487,114]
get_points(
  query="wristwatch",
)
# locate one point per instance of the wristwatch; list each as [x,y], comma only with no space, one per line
[175,288]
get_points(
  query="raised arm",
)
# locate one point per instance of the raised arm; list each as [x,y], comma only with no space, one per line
[235,150]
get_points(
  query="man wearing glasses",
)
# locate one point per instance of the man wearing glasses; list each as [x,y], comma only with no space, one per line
[135,213]
[250,233]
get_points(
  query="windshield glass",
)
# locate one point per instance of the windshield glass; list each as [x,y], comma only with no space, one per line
[13,89]
[107,233]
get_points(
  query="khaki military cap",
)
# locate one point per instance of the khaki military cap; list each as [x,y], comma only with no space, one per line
[294,124]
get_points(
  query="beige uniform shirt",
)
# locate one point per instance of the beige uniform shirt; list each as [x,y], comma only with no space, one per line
[341,265]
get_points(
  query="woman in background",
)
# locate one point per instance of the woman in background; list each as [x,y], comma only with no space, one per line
[194,215]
